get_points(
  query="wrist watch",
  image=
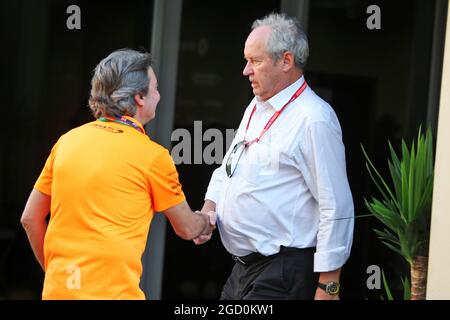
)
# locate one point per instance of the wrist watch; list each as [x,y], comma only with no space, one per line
[331,288]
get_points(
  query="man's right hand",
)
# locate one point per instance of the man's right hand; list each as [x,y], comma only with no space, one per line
[212,223]
[188,225]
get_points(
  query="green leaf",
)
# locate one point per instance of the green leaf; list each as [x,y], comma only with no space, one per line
[383,236]
[370,167]
[386,287]
[406,289]
[381,189]
[388,235]
[411,176]
[385,213]
[405,247]
[404,203]
[390,246]
[394,169]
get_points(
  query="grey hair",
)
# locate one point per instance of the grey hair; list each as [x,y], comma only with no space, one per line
[116,80]
[287,35]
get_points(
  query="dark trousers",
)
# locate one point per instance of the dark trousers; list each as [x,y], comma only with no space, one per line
[286,275]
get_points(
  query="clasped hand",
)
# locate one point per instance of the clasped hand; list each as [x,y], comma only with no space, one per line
[212,225]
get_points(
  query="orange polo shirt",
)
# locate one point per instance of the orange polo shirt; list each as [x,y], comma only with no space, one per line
[105,180]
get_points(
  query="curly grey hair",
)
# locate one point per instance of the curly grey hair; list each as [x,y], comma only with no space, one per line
[286,35]
[117,79]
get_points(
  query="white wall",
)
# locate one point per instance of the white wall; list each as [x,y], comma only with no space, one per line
[439,259]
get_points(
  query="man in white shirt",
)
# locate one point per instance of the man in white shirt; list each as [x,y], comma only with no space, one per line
[283,202]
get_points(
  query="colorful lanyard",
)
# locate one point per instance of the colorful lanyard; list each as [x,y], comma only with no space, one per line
[124,121]
[274,116]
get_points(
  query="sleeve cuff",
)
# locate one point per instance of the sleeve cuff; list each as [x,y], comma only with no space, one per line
[42,189]
[166,205]
[325,261]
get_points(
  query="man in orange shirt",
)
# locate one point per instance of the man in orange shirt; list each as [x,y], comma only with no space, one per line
[102,183]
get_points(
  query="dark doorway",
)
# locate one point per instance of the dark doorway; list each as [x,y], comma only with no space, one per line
[210,89]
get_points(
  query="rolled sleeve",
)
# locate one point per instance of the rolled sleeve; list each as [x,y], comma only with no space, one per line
[330,260]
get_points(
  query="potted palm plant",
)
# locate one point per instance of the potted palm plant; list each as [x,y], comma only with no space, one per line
[404,206]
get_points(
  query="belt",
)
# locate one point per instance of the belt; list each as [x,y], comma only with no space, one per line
[256,256]
[250,258]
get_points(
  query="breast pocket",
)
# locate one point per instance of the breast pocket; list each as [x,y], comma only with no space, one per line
[261,162]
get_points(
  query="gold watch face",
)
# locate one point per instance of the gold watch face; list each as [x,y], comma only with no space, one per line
[332,288]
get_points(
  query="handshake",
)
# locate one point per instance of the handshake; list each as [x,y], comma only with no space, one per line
[208,231]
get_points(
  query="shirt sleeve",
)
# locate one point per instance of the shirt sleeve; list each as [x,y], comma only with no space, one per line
[44,181]
[215,183]
[166,190]
[324,153]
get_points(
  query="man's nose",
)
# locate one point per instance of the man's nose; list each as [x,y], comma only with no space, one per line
[247,69]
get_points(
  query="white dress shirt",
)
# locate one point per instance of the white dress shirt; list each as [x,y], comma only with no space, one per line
[291,187]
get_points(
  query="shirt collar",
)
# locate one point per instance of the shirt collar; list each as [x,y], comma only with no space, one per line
[281,98]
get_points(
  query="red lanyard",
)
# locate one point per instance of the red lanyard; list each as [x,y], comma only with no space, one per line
[274,116]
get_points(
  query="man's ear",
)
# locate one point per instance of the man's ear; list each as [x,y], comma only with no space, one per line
[288,61]
[139,99]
